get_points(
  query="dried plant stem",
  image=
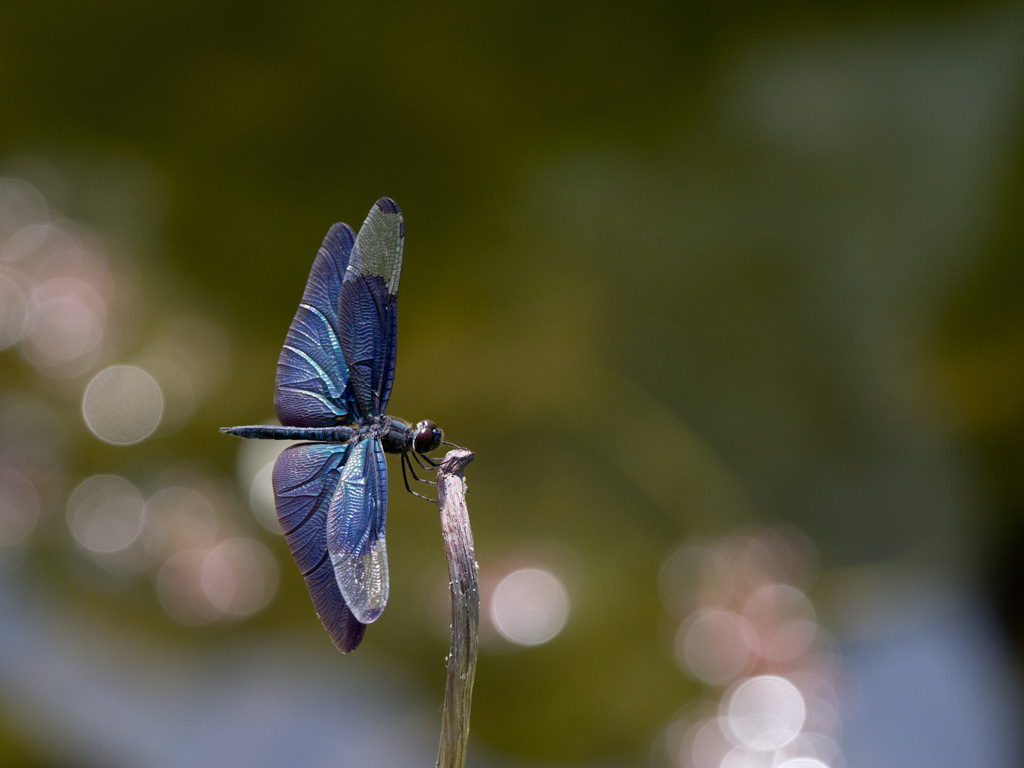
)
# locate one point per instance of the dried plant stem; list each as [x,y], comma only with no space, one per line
[458,546]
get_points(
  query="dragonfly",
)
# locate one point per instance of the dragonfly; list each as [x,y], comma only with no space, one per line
[333,383]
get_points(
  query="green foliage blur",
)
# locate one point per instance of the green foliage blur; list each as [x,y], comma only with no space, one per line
[655,297]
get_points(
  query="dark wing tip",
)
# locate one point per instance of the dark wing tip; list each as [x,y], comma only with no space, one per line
[340,236]
[348,641]
[387,205]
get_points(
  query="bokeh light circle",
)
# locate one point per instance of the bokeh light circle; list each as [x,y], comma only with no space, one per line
[775,602]
[784,620]
[790,641]
[106,514]
[810,746]
[15,309]
[764,712]
[239,576]
[19,507]
[529,606]
[229,581]
[180,589]
[26,242]
[716,646]
[261,497]
[122,405]
[255,467]
[21,205]
[744,757]
[67,328]
[705,746]
[822,703]
[179,518]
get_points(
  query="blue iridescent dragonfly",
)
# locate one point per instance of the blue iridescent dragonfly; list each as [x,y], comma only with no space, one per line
[334,379]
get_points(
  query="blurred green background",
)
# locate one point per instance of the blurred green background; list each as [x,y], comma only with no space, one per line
[670,270]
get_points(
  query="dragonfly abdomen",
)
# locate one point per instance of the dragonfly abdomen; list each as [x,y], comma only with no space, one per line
[318,434]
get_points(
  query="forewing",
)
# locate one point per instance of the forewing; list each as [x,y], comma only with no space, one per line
[312,378]
[355,531]
[368,308]
[378,250]
[305,478]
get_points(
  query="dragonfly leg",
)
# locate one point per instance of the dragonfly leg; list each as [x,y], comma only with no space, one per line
[412,472]
[410,490]
[433,464]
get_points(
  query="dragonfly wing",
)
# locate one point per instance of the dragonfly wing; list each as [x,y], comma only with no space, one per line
[355,531]
[305,479]
[368,310]
[312,378]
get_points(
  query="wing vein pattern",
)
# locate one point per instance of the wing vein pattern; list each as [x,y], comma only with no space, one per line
[312,376]
[355,531]
[368,312]
[305,480]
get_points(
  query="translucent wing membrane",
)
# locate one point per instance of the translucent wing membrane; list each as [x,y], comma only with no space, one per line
[306,478]
[312,378]
[368,306]
[355,531]
[378,249]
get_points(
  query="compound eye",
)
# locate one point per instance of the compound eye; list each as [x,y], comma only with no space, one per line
[428,437]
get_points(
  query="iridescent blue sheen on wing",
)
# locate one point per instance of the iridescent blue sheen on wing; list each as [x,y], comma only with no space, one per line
[312,378]
[306,478]
[368,312]
[355,531]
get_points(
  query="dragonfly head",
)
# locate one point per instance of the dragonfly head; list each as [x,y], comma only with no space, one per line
[428,436]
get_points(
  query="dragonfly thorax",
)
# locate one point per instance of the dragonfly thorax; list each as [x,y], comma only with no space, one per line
[402,437]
